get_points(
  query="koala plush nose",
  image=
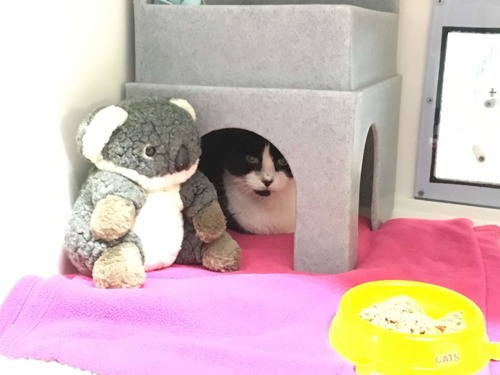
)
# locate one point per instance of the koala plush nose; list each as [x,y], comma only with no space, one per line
[182,159]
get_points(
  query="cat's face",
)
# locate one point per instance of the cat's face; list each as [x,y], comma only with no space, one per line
[258,164]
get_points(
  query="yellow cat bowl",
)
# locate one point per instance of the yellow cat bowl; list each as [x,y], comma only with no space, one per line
[374,349]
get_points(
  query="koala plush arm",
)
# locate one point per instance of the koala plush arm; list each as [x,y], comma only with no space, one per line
[116,200]
[106,183]
[202,207]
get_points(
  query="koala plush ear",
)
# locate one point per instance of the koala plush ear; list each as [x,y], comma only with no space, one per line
[95,131]
[184,104]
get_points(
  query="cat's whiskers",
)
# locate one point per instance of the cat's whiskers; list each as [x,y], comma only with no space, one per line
[239,183]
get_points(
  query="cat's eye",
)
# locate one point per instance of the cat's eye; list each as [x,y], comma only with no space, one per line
[149,151]
[282,162]
[251,159]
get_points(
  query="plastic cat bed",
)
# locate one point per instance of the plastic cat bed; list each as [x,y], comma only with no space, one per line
[318,81]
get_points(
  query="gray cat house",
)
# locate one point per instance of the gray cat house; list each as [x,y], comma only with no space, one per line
[319,81]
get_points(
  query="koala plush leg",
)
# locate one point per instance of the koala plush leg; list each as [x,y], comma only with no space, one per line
[222,255]
[210,222]
[120,266]
[191,247]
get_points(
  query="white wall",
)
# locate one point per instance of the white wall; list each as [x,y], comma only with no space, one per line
[413,36]
[60,59]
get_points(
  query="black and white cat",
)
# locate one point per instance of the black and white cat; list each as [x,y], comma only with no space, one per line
[255,185]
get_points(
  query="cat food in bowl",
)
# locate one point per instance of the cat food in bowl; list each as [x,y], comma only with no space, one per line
[404,327]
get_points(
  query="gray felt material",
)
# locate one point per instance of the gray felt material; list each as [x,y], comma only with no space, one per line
[318,46]
[381,5]
[327,129]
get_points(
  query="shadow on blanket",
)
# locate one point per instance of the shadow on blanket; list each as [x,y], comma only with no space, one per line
[263,319]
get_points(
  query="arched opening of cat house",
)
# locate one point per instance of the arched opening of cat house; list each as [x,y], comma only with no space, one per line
[256,184]
[367,173]
[254,181]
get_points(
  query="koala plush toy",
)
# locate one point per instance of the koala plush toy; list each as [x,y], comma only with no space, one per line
[144,204]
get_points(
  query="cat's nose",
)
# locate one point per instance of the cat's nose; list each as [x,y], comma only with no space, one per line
[267,182]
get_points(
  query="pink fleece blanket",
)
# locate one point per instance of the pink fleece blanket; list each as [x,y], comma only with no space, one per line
[264,319]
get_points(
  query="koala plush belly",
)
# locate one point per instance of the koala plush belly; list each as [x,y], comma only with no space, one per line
[159,225]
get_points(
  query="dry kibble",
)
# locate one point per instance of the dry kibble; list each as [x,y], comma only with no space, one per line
[403,314]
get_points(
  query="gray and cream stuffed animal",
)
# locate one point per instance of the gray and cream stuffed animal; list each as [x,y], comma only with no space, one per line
[144,204]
